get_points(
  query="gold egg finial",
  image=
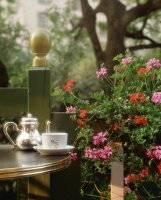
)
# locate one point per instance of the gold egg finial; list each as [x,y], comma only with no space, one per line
[40,44]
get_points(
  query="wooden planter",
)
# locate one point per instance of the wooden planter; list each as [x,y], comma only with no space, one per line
[66,184]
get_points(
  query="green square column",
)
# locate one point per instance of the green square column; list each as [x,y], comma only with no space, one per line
[39,106]
[39,94]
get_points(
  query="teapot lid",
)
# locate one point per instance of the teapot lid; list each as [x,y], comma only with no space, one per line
[29,119]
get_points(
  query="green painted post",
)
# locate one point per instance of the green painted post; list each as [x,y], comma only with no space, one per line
[39,78]
[39,102]
[39,107]
[39,94]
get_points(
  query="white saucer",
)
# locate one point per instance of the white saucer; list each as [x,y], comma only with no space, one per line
[45,151]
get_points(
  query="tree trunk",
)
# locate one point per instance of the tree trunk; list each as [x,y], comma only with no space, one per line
[115,42]
[114,12]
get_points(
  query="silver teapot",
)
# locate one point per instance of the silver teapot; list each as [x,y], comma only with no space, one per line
[29,135]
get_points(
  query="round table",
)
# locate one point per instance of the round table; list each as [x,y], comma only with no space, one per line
[17,163]
[26,166]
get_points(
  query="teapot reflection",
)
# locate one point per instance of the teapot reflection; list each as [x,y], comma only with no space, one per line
[28,136]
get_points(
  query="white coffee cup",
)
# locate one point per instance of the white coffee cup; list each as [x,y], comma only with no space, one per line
[54,140]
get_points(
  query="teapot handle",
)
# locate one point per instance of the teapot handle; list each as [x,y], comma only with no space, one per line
[5,129]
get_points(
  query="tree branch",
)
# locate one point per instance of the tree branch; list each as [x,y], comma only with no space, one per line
[137,1]
[77,25]
[142,10]
[76,36]
[144,46]
[110,8]
[144,23]
[139,35]
[89,22]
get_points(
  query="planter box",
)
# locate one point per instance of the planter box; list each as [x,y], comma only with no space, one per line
[66,185]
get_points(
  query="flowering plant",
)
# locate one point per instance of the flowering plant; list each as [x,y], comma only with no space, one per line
[130,114]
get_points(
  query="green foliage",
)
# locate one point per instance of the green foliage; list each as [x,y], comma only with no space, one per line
[131,196]
[128,115]
[85,76]
[68,54]
[13,55]
[66,51]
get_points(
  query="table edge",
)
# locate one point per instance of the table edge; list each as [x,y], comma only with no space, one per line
[58,166]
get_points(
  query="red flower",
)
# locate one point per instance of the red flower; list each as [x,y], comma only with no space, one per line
[135,97]
[142,70]
[136,117]
[143,120]
[80,122]
[140,120]
[144,172]
[159,168]
[132,178]
[141,97]
[83,114]
[68,85]
[116,126]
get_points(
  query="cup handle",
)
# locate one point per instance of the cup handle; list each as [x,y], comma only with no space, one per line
[5,130]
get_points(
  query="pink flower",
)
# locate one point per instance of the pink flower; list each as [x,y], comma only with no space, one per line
[102,72]
[126,60]
[99,138]
[73,156]
[154,153]
[70,109]
[100,153]
[127,190]
[91,153]
[153,62]
[156,97]
[105,153]
[88,152]
[95,153]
